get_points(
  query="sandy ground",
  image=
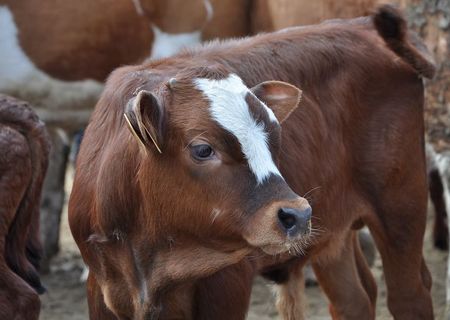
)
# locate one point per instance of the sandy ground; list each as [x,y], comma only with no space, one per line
[66,299]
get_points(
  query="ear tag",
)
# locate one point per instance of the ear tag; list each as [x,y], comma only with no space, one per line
[137,137]
[153,140]
[132,130]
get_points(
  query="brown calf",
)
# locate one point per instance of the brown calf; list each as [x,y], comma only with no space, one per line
[177,200]
[23,161]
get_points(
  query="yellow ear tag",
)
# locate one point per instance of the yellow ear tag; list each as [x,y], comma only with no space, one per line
[153,140]
[137,137]
[132,130]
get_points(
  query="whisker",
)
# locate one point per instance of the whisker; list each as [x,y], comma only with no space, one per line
[313,189]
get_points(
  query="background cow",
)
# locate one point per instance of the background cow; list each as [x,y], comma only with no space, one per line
[24,152]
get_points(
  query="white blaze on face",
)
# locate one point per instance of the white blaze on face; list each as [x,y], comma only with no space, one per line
[230,110]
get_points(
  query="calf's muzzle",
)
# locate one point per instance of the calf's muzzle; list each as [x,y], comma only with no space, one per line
[295,221]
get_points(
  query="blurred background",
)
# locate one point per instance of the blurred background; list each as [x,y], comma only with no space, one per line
[56,55]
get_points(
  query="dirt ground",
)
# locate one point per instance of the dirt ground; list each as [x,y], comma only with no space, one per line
[66,299]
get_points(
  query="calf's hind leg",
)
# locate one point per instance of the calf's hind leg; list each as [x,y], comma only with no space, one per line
[398,233]
[289,288]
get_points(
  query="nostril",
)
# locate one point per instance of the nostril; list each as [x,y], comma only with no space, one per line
[287,218]
[295,221]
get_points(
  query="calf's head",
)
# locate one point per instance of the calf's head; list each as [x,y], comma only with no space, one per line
[208,160]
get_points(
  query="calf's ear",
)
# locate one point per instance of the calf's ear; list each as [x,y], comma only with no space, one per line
[144,115]
[282,97]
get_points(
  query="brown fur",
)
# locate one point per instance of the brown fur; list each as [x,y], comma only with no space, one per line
[25,147]
[347,147]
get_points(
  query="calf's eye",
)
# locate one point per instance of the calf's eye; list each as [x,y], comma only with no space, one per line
[202,152]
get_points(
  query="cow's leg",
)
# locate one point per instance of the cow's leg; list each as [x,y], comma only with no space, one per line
[440,229]
[398,231]
[347,282]
[53,195]
[367,246]
[289,290]
[363,266]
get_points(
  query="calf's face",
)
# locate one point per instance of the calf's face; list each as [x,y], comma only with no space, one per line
[213,142]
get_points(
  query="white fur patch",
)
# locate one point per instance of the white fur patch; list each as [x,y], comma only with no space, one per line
[229,109]
[166,44]
[19,77]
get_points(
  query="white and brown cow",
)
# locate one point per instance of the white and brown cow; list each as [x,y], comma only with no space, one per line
[183,183]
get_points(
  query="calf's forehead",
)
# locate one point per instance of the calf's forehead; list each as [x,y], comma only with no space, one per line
[228,107]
